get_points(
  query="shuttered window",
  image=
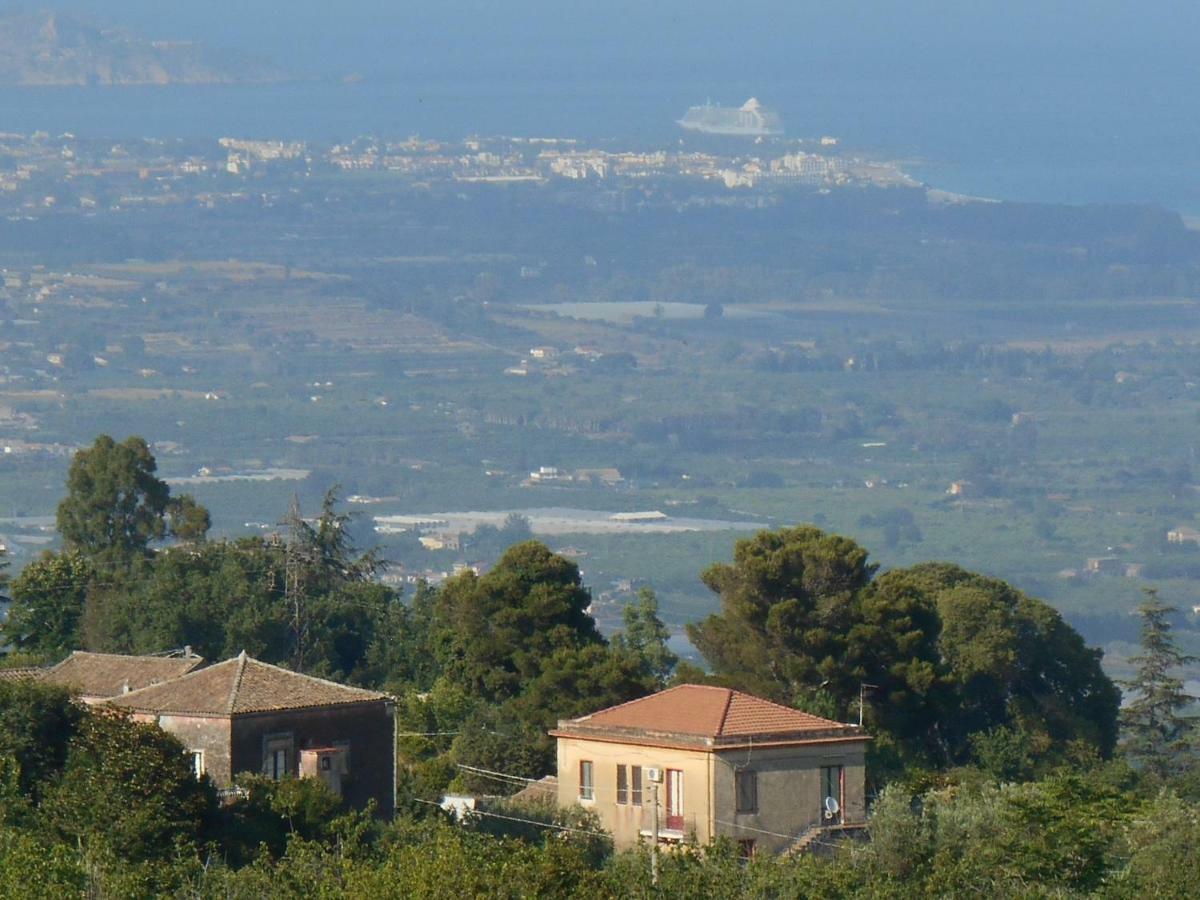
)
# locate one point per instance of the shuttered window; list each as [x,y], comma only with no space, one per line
[747,791]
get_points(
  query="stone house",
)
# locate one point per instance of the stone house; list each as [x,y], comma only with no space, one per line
[243,715]
[719,763]
[96,677]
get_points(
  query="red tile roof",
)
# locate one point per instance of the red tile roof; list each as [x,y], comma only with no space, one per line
[112,674]
[697,711]
[242,685]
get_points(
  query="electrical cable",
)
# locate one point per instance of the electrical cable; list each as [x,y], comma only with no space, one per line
[491,815]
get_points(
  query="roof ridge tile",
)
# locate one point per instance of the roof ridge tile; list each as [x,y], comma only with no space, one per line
[725,712]
[237,682]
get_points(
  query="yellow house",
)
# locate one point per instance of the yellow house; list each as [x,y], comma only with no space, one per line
[719,763]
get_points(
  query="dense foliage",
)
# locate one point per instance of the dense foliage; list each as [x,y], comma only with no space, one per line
[947,666]
[996,765]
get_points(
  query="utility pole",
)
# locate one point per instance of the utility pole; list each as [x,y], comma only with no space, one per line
[654,833]
[293,589]
[862,699]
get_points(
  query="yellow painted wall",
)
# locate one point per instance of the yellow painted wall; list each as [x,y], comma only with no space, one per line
[627,821]
[789,789]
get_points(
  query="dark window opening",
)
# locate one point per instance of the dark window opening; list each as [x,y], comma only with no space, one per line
[746,783]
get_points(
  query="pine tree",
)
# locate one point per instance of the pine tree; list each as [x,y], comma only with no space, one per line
[1156,733]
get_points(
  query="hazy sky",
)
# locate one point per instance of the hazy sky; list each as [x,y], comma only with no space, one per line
[584,38]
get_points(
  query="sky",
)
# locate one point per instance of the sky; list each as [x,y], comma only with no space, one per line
[584,39]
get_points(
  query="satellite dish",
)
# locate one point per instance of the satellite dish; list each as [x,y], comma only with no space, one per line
[831,807]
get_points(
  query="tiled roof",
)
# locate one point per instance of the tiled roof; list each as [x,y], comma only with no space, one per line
[21,673]
[705,711]
[242,685]
[111,674]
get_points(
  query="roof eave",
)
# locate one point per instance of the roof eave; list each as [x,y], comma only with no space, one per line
[242,714]
[680,740]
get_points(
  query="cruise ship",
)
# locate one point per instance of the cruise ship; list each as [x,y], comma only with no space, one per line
[751,119]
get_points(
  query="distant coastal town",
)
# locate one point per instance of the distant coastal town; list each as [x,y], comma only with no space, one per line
[41,172]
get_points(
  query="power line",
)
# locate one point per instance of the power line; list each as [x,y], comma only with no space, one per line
[790,837]
[503,776]
[492,815]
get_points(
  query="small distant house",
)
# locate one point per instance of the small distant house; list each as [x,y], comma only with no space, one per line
[603,476]
[96,677]
[446,540]
[719,763]
[243,715]
[1104,565]
[548,473]
[1183,535]
[543,352]
[961,488]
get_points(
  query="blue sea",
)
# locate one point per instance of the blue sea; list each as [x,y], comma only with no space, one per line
[1007,100]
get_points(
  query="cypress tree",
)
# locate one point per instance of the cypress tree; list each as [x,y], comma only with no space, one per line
[1155,731]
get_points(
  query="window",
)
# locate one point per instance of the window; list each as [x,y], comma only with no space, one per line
[675,799]
[831,794]
[746,783]
[197,757]
[277,756]
[635,796]
[622,784]
[587,787]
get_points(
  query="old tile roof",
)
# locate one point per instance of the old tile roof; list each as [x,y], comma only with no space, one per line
[242,685]
[112,674]
[706,712]
[21,673]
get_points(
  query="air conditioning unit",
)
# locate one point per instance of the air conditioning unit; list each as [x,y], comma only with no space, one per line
[653,773]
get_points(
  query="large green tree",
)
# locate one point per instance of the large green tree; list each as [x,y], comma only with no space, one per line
[128,790]
[48,600]
[116,504]
[515,650]
[787,603]
[37,721]
[221,597]
[1010,661]
[937,656]
[494,632]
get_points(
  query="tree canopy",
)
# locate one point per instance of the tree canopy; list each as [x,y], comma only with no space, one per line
[114,500]
[939,656]
[47,607]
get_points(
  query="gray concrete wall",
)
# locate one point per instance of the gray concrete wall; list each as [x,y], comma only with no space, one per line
[789,791]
